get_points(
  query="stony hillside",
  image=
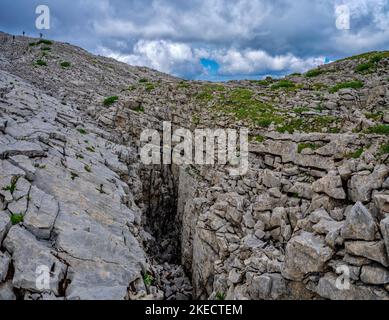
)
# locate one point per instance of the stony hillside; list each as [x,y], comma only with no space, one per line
[75,197]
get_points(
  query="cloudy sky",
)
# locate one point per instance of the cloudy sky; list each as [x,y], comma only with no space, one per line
[211,39]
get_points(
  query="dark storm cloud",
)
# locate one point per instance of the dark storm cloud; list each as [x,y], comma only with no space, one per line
[244,37]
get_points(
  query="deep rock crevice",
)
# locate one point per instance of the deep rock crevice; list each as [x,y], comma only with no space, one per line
[162,231]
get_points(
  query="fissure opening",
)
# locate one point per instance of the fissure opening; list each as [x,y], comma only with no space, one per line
[162,222]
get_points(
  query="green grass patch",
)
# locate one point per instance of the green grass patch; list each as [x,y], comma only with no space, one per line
[364,67]
[90,149]
[240,95]
[319,86]
[314,73]
[148,280]
[242,104]
[41,63]
[379,129]
[300,110]
[208,92]
[283,84]
[183,85]
[220,296]
[110,100]
[65,64]
[149,87]
[261,82]
[309,124]
[374,58]
[82,131]
[384,149]
[355,155]
[345,85]
[45,48]
[215,87]
[377,116]
[204,96]
[143,80]
[87,168]
[379,56]
[302,146]
[257,138]
[17,218]
[44,41]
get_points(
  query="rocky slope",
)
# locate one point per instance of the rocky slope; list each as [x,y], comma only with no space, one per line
[75,197]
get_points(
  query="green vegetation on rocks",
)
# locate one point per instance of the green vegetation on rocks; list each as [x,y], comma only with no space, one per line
[384,149]
[355,155]
[310,124]
[379,129]
[110,100]
[283,84]
[346,85]
[257,138]
[364,67]
[244,106]
[65,64]
[16,218]
[220,296]
[41,63]
[314,73]
[368,55]
[148,280]
[371,64]
[374,116]
[44,41]
[149,87]
[300,109]
[306,145]
[208,92]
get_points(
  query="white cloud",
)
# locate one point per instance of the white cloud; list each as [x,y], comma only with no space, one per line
[233,61]
[246,37]
[180,59]
[165,56]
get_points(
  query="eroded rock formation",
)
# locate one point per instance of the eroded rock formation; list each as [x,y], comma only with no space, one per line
[75,197]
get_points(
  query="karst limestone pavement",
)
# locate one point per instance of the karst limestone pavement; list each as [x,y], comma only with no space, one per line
[74,196]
